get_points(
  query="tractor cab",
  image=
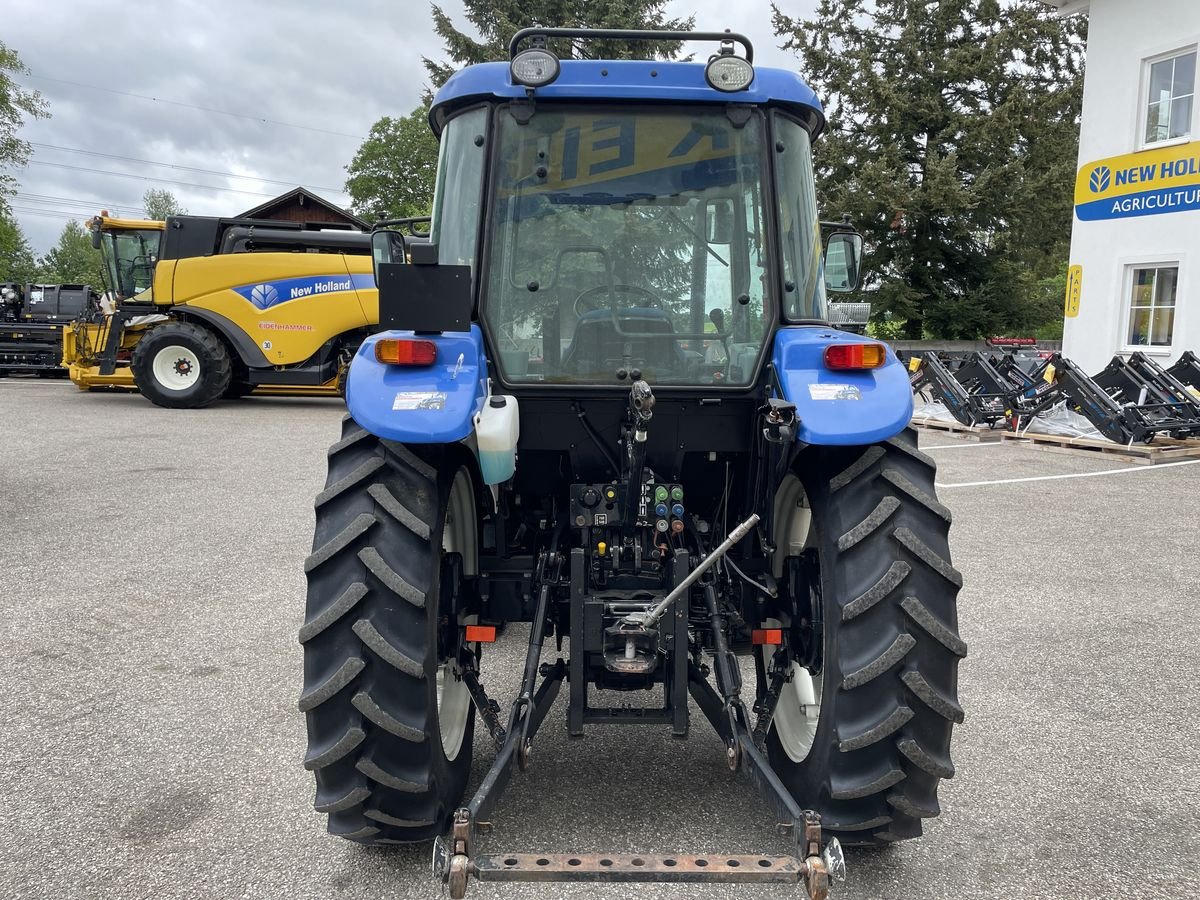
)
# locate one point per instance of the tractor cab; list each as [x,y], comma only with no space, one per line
[628,220]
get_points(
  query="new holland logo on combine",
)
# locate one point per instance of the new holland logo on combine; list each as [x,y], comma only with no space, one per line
[268,294]
[264,295]
[1139,184]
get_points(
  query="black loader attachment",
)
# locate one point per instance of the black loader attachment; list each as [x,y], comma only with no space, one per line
[977,399]
[1187,371]
[1130,401]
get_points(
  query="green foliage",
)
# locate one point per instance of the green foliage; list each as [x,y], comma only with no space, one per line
[15,104]
[16,258]
[497,21]
[952,143]
[73,260]
[392,174]
[160,203]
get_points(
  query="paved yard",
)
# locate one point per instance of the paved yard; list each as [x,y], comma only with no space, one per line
[149,671]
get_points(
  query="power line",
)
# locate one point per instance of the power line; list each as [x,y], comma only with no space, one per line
[75,201]
[53,214]
[93,207]
[183,168]
[206,187]
[209,109]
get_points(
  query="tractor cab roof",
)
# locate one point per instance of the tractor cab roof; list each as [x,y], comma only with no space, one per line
[653,81]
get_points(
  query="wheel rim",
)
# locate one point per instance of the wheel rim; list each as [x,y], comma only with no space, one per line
[799,709]
[458,536]
[176,367]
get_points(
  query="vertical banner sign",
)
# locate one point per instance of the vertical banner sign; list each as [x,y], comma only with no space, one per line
[1074,287]
[1149,183]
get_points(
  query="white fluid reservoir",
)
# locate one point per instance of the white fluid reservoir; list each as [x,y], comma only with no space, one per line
[497,428]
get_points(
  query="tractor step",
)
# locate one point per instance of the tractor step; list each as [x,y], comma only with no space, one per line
[641,867]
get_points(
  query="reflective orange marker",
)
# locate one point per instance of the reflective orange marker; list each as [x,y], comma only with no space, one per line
[481,634]
[772,636]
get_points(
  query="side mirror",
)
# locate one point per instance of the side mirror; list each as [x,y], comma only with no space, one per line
[843,258]
[96,237]
[719,222]
[387,247]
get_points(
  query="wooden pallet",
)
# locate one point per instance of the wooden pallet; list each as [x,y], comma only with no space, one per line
[1163,449]
[958,429]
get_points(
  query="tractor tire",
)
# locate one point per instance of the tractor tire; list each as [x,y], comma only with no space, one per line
[886,695]
[389,739]
[181,366]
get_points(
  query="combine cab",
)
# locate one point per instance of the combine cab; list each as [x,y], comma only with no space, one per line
[609,403]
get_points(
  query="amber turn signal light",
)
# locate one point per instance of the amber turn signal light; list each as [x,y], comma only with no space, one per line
[482,634]
[855,356]
[772,636]
[403,352]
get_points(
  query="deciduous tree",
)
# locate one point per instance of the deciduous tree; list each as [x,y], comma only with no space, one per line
[392,174]
[16,103]
[73,260]
[160,203]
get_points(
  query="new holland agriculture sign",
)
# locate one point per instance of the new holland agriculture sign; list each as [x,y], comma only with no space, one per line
[1149,183]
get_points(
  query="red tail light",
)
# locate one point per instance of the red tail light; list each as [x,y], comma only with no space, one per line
[855,356]
[403,352]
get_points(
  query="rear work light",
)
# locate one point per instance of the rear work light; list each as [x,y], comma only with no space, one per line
[404,352]
[855,356]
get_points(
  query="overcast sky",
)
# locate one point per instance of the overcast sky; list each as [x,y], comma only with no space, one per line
[332,68]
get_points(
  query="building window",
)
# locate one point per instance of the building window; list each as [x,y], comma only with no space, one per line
[1152,306]
[1169,104]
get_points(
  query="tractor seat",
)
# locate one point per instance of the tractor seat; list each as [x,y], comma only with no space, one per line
[598,349]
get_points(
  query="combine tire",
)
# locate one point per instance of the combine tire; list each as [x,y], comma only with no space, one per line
[181,366]
[389,726]
[867,740]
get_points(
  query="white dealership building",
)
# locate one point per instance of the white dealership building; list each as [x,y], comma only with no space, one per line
[1135,243]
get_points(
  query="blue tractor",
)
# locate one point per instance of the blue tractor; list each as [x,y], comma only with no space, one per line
[607,402]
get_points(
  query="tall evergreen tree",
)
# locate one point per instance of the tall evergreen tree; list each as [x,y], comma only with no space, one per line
[497,21]
[952,141]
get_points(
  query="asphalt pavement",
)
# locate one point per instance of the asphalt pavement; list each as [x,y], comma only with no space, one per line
[149,669]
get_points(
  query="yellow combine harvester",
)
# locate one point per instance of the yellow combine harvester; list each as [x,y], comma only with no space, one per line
[199,308]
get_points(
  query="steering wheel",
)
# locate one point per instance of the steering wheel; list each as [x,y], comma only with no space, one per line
[584,302]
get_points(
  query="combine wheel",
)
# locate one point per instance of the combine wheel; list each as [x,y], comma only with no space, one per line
[390,724]
[181,366]
[865,739]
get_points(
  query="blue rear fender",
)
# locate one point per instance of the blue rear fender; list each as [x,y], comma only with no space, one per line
[839,407]
[420,404]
